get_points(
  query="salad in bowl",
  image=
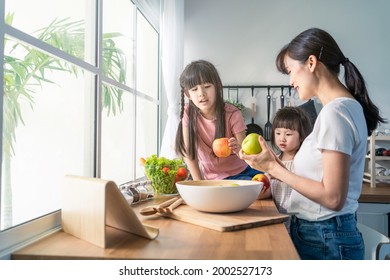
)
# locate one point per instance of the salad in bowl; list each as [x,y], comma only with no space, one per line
[164,173]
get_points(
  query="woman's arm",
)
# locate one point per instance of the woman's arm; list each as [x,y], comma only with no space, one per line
[331,192]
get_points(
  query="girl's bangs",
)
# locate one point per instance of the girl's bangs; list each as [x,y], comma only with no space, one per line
[197,76]
[287,124]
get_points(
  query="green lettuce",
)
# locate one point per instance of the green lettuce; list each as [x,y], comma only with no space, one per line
[162,172]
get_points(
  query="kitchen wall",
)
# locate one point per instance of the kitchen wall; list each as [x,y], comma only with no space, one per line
[242,38]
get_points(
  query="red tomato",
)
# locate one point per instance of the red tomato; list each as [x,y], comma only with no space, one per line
[165,170]
[178,179]
[182,172]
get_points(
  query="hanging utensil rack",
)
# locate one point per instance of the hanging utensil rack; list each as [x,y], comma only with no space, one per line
[237,87]
[257,86]
[268,126]
[281,87]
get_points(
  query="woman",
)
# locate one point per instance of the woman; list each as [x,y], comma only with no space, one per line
[329,165]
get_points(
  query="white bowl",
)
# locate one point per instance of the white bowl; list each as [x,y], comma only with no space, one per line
[219,196]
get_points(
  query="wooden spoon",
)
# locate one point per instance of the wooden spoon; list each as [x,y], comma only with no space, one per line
[174,205]
[151,210]
[147,211]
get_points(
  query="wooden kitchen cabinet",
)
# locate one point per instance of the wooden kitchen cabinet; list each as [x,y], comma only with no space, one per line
[372,160]
[374,207]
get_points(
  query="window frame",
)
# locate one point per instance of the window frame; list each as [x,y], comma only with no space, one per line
[20,235]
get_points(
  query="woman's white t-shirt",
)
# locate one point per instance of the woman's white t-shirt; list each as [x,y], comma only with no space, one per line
[340,126]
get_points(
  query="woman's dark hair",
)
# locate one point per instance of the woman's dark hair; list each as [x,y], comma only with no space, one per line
[318,42]
[292,118]
[196,73]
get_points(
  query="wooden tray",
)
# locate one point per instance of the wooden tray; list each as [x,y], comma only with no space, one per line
[254,216]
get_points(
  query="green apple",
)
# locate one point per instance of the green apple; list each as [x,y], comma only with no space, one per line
[251,144]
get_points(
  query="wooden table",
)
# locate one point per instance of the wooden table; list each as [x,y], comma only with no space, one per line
[176,240]
[379,194]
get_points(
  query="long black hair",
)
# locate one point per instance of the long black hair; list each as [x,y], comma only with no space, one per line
[196,73]
[320,43]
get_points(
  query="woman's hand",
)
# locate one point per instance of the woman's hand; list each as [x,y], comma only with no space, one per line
[264,161]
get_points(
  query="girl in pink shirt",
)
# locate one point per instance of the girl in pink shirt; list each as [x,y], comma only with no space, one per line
[207,117]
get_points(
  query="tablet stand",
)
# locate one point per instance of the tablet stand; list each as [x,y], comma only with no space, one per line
[91,204]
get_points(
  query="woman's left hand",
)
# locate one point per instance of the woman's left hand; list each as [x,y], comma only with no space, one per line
[264,161]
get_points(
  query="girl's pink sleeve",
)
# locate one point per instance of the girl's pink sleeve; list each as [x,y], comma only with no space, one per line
[237,123]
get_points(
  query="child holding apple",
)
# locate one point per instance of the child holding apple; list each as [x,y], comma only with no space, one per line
[329,166]
[290,126]
[205,118]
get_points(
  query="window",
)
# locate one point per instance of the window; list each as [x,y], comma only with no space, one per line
[70,105]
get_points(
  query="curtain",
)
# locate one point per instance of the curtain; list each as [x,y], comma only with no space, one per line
[172,55]
[151,10]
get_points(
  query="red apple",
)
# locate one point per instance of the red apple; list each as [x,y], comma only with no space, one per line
[264,179]
[221,147]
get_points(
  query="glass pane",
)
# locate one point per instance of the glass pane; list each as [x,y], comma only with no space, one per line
[46,131]
[147,131]
[117,151]
[147,57]
[118,38]
[63,27]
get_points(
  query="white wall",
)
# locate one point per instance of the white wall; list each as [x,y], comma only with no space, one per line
[242,38]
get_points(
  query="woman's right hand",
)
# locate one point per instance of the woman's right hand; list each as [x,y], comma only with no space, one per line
[265,161]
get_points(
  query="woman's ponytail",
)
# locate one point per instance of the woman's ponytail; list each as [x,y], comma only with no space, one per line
[356,85]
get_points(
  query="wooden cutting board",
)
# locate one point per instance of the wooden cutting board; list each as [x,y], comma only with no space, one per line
[258,214]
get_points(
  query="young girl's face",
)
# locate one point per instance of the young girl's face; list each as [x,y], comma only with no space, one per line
[204,97]
[287,140]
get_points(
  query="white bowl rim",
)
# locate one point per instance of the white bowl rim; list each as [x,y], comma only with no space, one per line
[198,188]
[218,183]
